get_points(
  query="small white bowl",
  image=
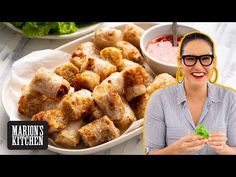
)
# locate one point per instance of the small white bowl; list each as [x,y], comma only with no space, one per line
[159,30]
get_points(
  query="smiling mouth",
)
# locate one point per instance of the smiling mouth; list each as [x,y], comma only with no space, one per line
[198,75]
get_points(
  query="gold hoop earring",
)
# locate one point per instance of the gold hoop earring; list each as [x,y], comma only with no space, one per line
[213,78]
[179,75]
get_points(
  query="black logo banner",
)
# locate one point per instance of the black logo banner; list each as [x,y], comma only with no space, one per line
[27,135]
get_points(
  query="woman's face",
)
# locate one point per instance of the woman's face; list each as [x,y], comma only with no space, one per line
[197,75]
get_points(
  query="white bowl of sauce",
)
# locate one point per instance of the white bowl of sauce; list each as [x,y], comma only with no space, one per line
[157,49]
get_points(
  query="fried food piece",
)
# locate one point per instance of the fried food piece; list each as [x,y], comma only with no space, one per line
[147,78]
[128,63]
[130,52]
[55,119]
[89,49]
[161,81]
[114,56]
[99,66]
[76,105]
[83,52]
[69,137]
[132,92]
[109,101]
[87,79]
[95,113]
[139,104]
[78,53]
[49,84]
[99,131]
[134,82]
[49,104]
[68,71]
[30,102]
[117,81]
[133,33]
[127,119]
[78,62]
[78,58]
[107,37]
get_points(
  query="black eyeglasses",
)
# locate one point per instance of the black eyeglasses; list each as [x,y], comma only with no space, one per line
[191,60]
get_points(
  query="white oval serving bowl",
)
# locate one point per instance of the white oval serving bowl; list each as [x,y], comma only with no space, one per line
[70,47]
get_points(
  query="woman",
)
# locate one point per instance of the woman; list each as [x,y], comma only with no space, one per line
[173,113]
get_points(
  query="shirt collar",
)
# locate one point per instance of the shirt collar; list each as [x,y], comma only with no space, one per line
[213,93]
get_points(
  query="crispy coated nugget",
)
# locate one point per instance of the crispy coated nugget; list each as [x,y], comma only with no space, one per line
[55,119]
[99,131]
[130,52]
[139,104]
[68,71]
[101,67]
[87,79]
[30,102]
[109,101]
[69,137]
[160,81]
[127,119]
[107,37]
[77,105]
[114,56]
[133,33]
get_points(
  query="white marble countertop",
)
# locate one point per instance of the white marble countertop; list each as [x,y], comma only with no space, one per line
[13,46]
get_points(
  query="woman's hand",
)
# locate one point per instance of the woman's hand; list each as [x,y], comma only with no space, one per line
[217,140]
[189,144]
[192,143]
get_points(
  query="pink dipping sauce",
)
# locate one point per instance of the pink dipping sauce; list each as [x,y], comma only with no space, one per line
[161,49]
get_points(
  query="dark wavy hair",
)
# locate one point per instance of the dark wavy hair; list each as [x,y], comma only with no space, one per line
[193,36]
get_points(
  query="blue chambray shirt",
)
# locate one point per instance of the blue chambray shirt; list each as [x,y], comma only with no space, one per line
[168,117]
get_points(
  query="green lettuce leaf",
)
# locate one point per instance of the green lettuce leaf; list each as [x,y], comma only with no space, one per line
[18,24]
[66,27]
[202,131]
[36,29]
